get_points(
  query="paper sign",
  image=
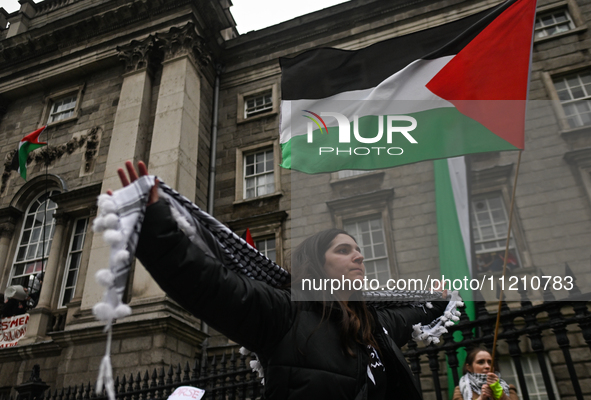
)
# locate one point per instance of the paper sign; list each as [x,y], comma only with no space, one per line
[13,328]
[187,393]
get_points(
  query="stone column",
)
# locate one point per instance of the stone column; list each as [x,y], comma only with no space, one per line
[52,266]
[130,128]
[6,232]
[41,314]
[173,153]
[8,218]
[128,140]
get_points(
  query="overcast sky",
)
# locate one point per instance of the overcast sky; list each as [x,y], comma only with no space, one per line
[250,15]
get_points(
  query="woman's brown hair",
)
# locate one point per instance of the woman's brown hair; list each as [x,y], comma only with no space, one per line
[471,355]
[308,263]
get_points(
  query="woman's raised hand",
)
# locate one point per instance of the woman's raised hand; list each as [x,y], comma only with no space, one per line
[491,378]
[133,175]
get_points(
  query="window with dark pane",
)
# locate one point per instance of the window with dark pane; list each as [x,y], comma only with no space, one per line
[553,23]
[35,241]
[267,247]
[258,104]
[62,109]
[73,261]
[489,227]
[574,92]
[369,234]
[259,177]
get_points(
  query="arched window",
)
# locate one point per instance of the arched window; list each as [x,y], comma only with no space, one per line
[35,241]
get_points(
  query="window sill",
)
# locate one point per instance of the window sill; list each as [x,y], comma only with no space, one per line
[62,121]
[579,29]
[242,120]
[336,180]
[574,131]
[266,196]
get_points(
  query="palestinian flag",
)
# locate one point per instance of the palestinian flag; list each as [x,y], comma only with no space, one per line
[454,89]
[25,146]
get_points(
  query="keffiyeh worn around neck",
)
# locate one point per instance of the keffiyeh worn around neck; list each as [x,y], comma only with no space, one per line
[470,383]
[120,219]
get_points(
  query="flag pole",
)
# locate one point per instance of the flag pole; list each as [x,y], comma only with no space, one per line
[494,346]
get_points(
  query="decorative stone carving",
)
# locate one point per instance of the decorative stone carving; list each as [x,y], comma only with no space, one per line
[61,218]
[8,218]
[140,55]
[77,202]
[6,229]
[50,154]
[178,42]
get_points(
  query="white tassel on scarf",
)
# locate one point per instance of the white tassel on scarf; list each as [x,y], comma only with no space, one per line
[432,332]
[119,219]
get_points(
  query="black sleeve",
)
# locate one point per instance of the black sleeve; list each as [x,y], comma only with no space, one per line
[249,312]
[399,321]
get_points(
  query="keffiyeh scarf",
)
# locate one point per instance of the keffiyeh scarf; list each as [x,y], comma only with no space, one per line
[120,218]
[470,383]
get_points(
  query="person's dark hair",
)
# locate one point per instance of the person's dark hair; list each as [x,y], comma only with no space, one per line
[308,261]
[471,355]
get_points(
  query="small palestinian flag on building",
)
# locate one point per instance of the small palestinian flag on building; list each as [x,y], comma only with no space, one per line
[248,237]
[450,90]
[25,146]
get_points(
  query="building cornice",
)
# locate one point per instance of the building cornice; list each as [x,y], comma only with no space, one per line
[581,158]
[372,199]
[258,220]
[490,177]
[126,328]
[74,30]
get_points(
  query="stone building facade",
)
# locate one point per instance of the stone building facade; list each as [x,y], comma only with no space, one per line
[156,80]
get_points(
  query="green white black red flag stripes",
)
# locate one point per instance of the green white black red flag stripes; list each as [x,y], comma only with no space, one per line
[455,89]
[25,146]
[453,234]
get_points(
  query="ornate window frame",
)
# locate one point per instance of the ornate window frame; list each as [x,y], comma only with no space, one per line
[572,9]
[581,161]
[365,206]
[42,240]
[241,116]
[56,96]
[241,153]
[73,260]
[495,181]
[549,78]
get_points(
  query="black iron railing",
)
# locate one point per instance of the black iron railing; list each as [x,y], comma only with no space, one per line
[230,377]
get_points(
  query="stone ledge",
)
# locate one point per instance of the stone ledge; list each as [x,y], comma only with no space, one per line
[27,352]
[579,29]
[125,329]
[258,198]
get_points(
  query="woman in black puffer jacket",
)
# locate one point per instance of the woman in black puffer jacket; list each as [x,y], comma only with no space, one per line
[337,348]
